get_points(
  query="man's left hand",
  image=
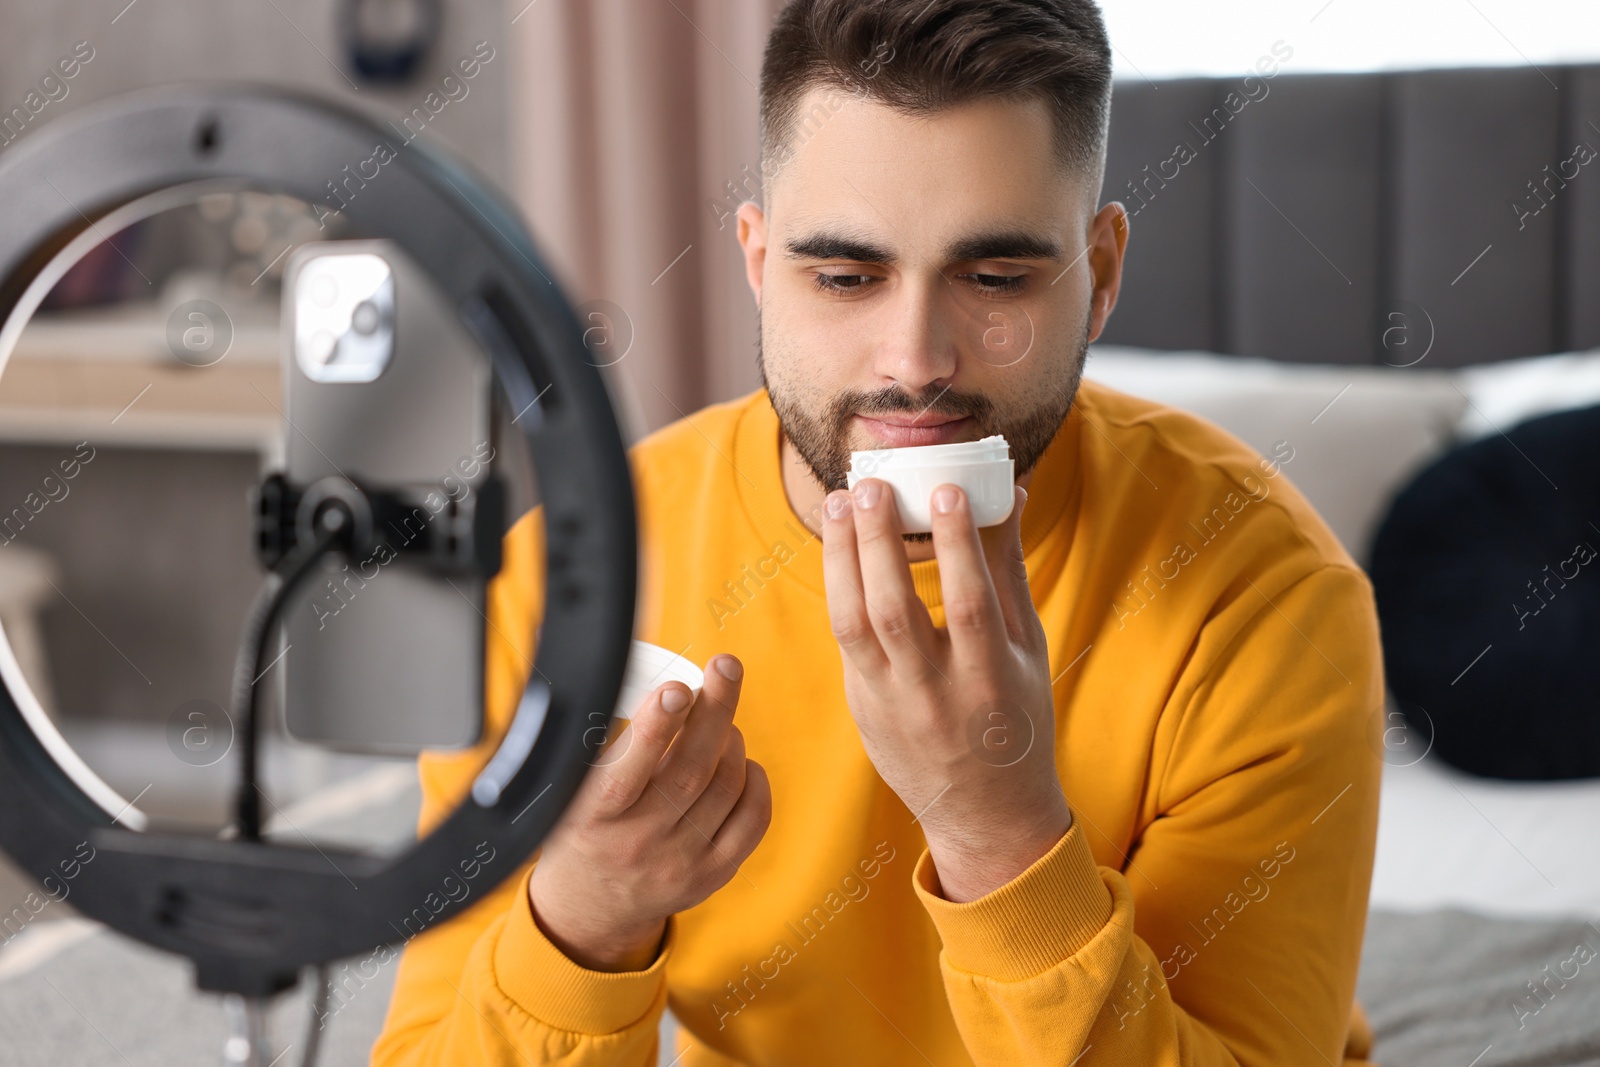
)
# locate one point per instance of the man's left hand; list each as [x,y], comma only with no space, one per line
[959,720]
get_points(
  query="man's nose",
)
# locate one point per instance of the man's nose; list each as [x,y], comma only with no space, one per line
[922,329]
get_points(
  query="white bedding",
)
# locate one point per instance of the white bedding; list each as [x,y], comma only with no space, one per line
[1511,849]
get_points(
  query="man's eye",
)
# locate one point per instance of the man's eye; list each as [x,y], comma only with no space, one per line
[999,283]
[842,283]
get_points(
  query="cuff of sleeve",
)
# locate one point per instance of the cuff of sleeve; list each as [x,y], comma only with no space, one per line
[1030,924]
[545,983]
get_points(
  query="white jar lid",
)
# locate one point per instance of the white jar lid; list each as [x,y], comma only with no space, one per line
[989,449]
[648,667]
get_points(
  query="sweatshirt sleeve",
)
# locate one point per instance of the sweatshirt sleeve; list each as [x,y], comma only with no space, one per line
[1233,934]
[488,987]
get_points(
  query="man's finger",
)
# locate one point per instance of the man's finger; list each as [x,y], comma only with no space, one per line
[841,581]
[618,782]
[691,762]
[902,622]
[971,607]
[744,828]
[707,813]
[1002,545]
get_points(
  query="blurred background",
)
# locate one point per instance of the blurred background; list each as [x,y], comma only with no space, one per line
[625,131]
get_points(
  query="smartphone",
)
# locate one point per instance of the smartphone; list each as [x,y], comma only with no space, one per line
[383,385]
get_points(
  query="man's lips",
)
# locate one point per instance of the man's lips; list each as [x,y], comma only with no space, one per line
[905,432]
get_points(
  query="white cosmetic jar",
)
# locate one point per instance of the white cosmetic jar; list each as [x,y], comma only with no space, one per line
[650,666]
[983,469]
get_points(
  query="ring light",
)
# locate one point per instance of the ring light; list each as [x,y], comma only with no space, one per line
[250,914]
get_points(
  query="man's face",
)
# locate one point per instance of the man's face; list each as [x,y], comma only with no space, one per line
[923,280]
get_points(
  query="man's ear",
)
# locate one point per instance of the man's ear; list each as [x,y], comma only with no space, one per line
[752,230]
[1108,240]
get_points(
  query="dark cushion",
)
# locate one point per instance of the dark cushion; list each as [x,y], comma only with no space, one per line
[1486,571]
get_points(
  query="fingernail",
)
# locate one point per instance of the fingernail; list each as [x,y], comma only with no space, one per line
[838,505]
[944,499]
[730,668]
[867,493]
[674,700]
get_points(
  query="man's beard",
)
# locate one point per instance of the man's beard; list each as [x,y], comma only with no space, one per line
[823,443]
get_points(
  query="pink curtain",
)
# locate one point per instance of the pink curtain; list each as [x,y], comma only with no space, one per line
[635,135]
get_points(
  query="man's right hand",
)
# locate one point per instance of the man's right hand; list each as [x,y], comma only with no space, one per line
[662,821]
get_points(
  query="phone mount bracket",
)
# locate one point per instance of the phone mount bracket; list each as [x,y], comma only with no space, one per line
[461,535]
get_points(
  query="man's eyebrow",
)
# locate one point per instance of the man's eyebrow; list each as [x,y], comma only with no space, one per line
[998,244]
[833,245]
[1004,244]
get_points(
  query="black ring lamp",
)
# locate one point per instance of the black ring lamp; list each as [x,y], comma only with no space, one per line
[249,914]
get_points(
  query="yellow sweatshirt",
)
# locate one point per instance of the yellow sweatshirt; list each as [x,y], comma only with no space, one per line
[1216,663]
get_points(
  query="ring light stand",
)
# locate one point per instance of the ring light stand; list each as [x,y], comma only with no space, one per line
[250,914]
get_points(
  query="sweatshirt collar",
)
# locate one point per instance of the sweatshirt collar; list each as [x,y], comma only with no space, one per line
[1047,517]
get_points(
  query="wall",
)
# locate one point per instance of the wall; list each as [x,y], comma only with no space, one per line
[281,42]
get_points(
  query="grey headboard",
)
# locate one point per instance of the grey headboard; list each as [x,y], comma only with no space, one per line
[1299,225]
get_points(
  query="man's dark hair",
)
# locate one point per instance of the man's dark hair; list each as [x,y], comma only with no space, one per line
[920,56]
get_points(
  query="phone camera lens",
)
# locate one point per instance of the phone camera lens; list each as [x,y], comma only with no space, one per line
[364,319]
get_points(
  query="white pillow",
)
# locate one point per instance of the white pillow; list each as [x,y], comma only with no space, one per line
[1510,391]
[1358,432]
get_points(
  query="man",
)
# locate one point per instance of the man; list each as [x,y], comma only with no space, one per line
[1089,787]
